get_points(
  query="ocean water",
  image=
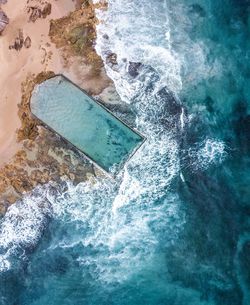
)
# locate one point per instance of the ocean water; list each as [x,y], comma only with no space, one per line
[174,228]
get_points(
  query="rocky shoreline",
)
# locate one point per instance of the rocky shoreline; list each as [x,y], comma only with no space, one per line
[44,156]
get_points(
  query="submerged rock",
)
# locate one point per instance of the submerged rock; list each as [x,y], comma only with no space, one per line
[198,10]
[4,20]
[134,68]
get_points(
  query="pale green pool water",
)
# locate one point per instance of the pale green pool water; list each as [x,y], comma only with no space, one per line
[82,121]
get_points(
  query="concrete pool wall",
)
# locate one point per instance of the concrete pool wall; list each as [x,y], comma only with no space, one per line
[85,123]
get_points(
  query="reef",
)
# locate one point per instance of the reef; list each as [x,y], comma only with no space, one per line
[44,156]
[76,35]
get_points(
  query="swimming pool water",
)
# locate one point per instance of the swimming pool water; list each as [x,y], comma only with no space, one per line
[70,112]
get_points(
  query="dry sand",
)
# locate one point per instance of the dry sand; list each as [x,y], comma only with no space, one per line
[17,65]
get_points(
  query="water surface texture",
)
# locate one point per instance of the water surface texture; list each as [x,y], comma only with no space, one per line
[74,115]
[174,228]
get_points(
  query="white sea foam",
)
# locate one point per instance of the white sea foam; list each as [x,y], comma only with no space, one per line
[148,175]
[22,227]
[156,36]
[205,154]
[140,42]
[182,118]
[138,32]
[118,223]
[123,220]
[212,151]
[120,220]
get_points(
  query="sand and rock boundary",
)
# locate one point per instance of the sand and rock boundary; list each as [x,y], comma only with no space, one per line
[42,156]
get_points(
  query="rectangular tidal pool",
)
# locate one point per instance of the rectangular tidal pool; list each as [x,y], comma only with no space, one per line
[82,121]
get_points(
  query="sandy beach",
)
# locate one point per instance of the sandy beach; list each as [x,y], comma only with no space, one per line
[16,65]
[40,56]
[42,38]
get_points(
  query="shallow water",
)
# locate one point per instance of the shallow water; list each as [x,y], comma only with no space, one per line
[174,228]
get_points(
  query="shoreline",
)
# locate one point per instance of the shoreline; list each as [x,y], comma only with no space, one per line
[62,42]
[17,65]
[42,55]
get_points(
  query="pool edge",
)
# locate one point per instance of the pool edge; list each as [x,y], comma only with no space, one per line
[120,165]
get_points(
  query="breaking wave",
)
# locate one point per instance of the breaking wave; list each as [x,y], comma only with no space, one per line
[22,227]
[150,226]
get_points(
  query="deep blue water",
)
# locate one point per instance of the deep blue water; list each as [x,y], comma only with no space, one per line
[174,229]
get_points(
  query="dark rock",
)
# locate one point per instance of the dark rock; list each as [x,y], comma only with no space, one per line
[4,20]
[46,10]
[37,12]
[86,3]
[19,41]
[111,59]
[134,68]
[27,42]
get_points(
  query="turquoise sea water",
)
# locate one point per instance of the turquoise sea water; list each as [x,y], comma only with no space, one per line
[174,229]
[87,125]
